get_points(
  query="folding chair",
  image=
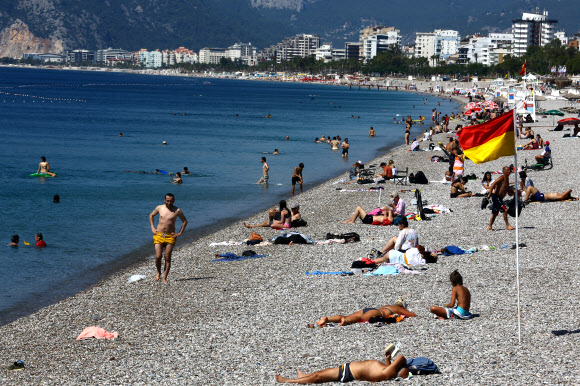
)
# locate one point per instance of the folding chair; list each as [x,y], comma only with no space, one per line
[401,178]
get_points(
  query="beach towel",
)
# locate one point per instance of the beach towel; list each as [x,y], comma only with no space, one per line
[97,332]
[384,270]
[453,250]
[342,273]
[233,257]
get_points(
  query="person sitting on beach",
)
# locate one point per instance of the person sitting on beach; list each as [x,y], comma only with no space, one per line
[534,195]
[540,141]
[273,215]
[177,179]
[285,218]
[44,167]
[367,314]
[185,170]
[458,188]
[370,371]
[295,213]
[14,240]
[459,294]
[387,173]
[406,239]
[413,256]
[527,134]
[40,243]
[486,183]
[377,215]
[525,181]
[371,132]
[414,145]
[544,157]
[576,130]
[397,207]
[354,171]
[533,144]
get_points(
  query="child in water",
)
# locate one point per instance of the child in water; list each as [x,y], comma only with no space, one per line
[460,294]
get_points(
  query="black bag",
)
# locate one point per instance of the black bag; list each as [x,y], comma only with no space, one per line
[365,181]
[294,239]
[249,252]
[350,237]
[484,202]
[419,178]
[512,207]
[298,223]
[362,264]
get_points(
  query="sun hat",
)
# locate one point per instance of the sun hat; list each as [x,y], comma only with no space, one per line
[295,206]
[394,194]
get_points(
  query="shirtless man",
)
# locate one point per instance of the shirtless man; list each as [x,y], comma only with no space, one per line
[370,371]
[265,168]
[497,191]
[297,177]
[44,167]
[164,235]
[345,146]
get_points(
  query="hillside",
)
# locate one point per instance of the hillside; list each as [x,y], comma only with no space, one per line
[152,24]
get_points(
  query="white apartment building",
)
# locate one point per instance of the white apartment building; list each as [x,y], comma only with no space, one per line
[324,52]
[150,59]
[211,55]
[533,29]
[374,44]
[246,53]
[112,55]
[484,49]
[441,43]
[561,35]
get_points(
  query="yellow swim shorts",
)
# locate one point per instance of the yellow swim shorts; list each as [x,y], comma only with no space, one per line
[163,238]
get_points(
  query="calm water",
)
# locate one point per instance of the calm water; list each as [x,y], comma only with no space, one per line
[214,127]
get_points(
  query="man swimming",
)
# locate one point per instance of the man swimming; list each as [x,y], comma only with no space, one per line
[164,235]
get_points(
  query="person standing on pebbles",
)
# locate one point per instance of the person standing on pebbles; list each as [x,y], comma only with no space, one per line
[497,191]
[164,235]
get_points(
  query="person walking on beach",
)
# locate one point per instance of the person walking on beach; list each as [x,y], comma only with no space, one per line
[164,235]
[297,177]
[44,167]
[265,168]
[497,191]
[345,146]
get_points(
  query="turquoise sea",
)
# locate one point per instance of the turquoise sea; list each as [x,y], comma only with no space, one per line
[217,128]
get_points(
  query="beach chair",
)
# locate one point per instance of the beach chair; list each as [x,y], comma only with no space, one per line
[401,178]
[545,164]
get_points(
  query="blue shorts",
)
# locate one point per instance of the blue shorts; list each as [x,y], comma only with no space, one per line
[538,197]
[458,313]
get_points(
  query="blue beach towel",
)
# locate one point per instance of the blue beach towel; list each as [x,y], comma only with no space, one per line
[384,270]
[233,257]
[328,273]
[453,250]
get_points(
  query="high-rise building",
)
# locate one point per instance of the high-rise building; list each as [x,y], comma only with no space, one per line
[484,49]
[245,53]
[352,50]
[533,29]
[112,56]
[302,46]
[211,55]
[375,39]
[437,46]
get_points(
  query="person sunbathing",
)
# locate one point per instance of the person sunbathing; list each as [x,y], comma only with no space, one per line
[534,195]
[369,371]
[367,315]
[277,219]
[368,218]
[413,256]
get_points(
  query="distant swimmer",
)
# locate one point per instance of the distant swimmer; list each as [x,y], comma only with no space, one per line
[40,243]
[185,170]
[120,134]
[14,241]
[177,180]
[56,199]
[371,132]
[164,235]
[265,169]
[269,116]
[44,167]
[275,151]
[287,138]
[136,171]
[164,143]
[334,143]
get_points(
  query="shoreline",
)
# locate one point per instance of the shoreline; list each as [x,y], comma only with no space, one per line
[239,322]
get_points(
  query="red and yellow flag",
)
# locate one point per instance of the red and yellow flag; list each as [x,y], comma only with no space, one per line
[490,140]
[523,71]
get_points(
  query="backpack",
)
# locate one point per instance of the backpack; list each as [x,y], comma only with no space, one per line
[422,366]
[350,237]
[420,178]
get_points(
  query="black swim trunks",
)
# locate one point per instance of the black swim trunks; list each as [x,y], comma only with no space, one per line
[345,151]
[368,219]
[295,180]
[454,195]
[344,374]
[496,204]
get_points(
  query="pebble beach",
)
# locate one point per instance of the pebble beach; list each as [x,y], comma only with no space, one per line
[241,322]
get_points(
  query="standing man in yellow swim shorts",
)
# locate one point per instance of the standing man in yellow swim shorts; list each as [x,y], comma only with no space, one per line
[164,235]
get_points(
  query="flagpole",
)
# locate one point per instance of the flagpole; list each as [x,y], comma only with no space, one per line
[517,228]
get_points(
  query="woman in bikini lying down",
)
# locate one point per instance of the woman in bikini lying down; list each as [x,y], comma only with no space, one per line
[366,314]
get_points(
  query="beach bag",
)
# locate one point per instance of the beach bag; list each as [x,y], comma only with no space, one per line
[422,366]
[512,207]
[350,237]
[249,252]
[255,236]
[298,223]
[365,181]
[420,178]
[452,250]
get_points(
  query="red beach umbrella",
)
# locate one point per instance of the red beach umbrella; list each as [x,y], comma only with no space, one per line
[471,106]
[569,121]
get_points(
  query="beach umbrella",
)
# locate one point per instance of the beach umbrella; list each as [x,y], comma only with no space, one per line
[489,104]
[554,112]
[469,112]
[569,121]
[471,106]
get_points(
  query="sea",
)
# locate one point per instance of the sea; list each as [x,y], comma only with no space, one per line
[218,128]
